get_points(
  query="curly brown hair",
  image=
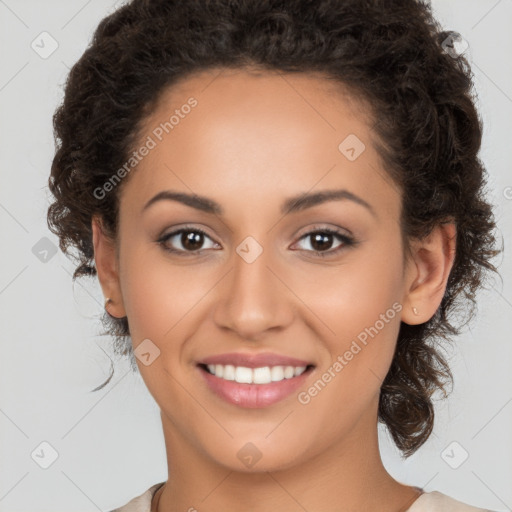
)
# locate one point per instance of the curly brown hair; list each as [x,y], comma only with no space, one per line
[389,54]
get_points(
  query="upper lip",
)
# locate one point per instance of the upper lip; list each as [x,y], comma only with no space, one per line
[254,360]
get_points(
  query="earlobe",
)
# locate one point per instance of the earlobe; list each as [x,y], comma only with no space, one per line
[428,269]
[105,259]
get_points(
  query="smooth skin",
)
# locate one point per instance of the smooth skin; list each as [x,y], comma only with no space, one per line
[252,141]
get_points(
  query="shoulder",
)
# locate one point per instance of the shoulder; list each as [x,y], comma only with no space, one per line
[140,503]
[436,501]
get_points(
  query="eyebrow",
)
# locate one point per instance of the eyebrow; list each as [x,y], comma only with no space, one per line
[290,205]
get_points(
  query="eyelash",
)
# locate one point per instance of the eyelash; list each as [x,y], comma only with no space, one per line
[346,240]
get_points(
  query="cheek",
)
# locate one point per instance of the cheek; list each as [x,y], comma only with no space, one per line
[157,292]
[158,296]
[357,309]
[351,296]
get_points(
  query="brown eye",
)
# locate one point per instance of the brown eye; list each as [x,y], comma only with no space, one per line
[191,240]
[185,240]
[321,242]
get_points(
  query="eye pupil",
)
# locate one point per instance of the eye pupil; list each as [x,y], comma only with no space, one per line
[319,241]
[192,240]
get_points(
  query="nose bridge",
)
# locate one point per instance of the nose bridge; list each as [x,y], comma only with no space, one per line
[251,276]
[253,300]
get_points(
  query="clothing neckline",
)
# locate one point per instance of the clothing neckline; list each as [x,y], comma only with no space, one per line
[418,498]
[153,504]
[155,488]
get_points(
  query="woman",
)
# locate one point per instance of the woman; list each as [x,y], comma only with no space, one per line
[283,204]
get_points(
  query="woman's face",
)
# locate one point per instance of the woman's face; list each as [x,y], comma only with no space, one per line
[252,155]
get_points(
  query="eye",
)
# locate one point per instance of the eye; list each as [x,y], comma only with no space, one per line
[321,241]
[190,239]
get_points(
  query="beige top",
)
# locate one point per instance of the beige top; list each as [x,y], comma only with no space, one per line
[433,501]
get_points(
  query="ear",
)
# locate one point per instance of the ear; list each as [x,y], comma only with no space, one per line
[427,270]
[105,258]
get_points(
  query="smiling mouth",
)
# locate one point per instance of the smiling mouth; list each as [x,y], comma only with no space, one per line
[260,375]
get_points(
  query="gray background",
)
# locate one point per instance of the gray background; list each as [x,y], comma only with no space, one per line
[109,444]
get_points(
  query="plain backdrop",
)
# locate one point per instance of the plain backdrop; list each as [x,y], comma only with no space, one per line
[104,448]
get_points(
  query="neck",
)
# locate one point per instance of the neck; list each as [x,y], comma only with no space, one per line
[348,475]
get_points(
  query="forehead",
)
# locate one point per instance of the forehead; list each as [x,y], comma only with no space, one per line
[310,94]
[259,132]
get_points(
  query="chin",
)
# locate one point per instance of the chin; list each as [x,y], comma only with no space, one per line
[255,456]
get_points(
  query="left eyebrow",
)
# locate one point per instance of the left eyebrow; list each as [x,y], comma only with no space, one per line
[303,201]
[293,204]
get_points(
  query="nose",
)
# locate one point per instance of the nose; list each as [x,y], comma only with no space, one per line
[253,298]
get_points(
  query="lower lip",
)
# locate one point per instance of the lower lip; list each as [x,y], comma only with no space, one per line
[253,396]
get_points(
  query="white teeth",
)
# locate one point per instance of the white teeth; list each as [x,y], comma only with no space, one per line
[229,372]
[219,370]
[289,372]
[298,370]
[277,373]
[242,374]
[260,375]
